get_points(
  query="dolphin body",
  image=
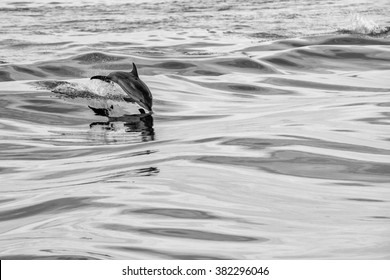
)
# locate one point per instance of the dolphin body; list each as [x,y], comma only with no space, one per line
[132,85]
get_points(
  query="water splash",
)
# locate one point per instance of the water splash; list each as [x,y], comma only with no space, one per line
[362,25]
[95,94]
[88,89]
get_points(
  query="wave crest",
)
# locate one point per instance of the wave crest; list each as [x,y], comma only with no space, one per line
[361,25]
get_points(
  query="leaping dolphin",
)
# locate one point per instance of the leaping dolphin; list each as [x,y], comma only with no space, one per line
[132,85]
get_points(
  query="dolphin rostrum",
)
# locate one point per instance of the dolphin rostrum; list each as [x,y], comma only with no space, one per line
[132,85]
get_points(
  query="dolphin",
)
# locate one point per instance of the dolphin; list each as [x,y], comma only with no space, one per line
[132,85]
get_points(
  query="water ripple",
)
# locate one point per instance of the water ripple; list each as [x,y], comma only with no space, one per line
[183,233]
[256,149]
[310,165]
[55,206]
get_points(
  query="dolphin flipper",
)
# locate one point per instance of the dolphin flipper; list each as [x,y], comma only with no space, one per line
[100,111]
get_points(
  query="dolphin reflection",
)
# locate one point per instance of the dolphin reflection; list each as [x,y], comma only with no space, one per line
[141,124]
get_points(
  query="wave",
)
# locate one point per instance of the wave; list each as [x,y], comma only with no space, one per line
[362,25]
[244,140]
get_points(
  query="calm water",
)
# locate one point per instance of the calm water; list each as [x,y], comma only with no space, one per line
[269,138]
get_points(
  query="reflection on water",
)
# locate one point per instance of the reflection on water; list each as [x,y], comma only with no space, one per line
[141,124]
[255,149]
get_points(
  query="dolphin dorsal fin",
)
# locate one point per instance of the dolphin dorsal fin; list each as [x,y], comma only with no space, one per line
[134,71]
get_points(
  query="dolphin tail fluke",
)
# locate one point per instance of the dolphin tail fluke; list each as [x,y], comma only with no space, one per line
[103,78]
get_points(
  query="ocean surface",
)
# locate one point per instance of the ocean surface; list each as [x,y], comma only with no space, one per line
[269,137]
